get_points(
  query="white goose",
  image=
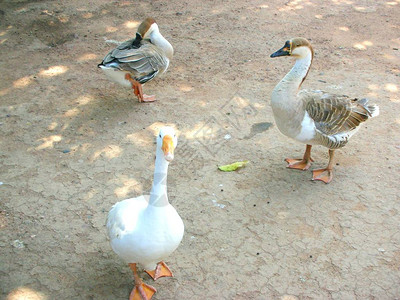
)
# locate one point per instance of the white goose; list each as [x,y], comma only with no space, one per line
[314,117]
[146,229]
[139,60]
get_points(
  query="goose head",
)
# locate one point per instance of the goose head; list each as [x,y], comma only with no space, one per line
[166,142]
[148,30]
[298,47]
[147,27]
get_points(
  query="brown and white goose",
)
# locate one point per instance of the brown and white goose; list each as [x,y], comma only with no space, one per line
[314,117]
[139,60]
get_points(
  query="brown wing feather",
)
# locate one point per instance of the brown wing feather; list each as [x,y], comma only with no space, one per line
[143,62]
[334,114]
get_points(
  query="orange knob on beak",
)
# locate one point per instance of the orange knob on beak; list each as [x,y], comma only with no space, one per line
[168,147]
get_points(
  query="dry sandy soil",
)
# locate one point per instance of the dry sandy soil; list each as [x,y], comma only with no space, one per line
[73,144]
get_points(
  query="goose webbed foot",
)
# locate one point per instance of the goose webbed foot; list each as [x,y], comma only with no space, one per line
[141,291]
[148,98]
[303,163]
[324,175]
[161,270]
[299,164]
[138,90]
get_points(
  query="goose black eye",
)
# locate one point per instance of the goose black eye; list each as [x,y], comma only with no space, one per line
[160,135]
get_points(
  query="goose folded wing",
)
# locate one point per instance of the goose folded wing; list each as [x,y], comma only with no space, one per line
[335,114]
[144,62]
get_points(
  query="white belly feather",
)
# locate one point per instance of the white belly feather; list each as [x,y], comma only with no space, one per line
[116,76]
[142,234]
[307,132]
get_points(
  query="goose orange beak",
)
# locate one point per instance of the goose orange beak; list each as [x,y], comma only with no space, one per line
[168,148]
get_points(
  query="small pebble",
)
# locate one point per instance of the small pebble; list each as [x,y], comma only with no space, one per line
[381,250]
[227,136]
[66,151]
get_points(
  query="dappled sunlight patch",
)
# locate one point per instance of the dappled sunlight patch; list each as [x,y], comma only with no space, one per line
[111,29]
[372,94]
[4,91]
[363,45]
[87,15]
[25,293]
[84,100]
[295,5]
[131,24]
[391,87]
[193,133]
[185,88]
[22,82]
[373,87]
[129,185]
[348,2]
[88,56]
[359,47]
[63,19]
[85,147]
[258,105]
[140,139]
[52,126]
[393,3]
[89,195]
[241,102]
[202,103]
[111,151]
[71,112]
[48,142]
[65,126]
[2,41]
[53,71]
[320,17]
[389,57]
[216,11]
[344,28]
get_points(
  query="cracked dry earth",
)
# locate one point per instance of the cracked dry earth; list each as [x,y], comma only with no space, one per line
[73,144]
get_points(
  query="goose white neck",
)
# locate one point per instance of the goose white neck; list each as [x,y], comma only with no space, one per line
[159,40]
[158,194]
[292,81]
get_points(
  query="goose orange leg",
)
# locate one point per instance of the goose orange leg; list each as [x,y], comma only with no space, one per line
[161,270]
[301,164]
[141,291]
[138,91]
[326,174]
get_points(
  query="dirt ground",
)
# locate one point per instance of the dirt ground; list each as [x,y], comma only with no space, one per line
[73,144]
